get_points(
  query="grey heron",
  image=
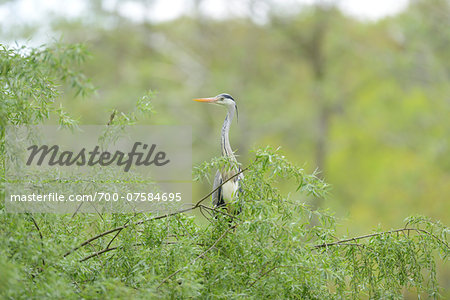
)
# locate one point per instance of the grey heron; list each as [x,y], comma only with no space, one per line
[226,193]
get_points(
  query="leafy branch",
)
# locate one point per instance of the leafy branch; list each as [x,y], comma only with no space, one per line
[120,228]
[345,241]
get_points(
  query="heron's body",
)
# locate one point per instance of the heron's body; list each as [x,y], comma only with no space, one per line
[228,190]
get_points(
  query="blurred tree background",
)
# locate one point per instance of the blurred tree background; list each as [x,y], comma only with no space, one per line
[365,102]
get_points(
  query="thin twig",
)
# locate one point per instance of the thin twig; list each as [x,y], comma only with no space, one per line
[93,249]
[103,251]
[205,216]
[37,227]
[198,257]
[219,210]
[76,211]
[267,272]
[98,253]
[184,227]
[114,237]
[262,275]
[352,244]
[40,235]
[418,230]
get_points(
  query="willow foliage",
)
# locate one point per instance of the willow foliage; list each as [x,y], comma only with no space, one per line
[277,247]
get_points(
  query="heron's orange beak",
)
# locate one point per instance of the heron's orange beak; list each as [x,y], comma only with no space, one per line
[213,99]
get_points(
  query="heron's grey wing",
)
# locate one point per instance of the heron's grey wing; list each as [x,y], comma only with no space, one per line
[239,192]
[217,197]
[240,177]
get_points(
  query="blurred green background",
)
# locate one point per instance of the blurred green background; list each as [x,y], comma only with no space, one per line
[364,100]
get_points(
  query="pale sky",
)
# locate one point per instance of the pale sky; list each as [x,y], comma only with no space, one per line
[36,11]
[363,9]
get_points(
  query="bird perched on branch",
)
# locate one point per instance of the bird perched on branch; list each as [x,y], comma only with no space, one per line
[227,192]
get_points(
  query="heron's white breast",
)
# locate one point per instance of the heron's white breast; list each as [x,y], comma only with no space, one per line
[229,190]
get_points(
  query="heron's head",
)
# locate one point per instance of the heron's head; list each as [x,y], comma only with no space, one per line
[221,99]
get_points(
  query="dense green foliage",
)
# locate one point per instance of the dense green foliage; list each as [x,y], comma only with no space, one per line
[276,247]
[29,80]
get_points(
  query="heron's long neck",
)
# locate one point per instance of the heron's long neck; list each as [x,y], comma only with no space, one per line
[226,148]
